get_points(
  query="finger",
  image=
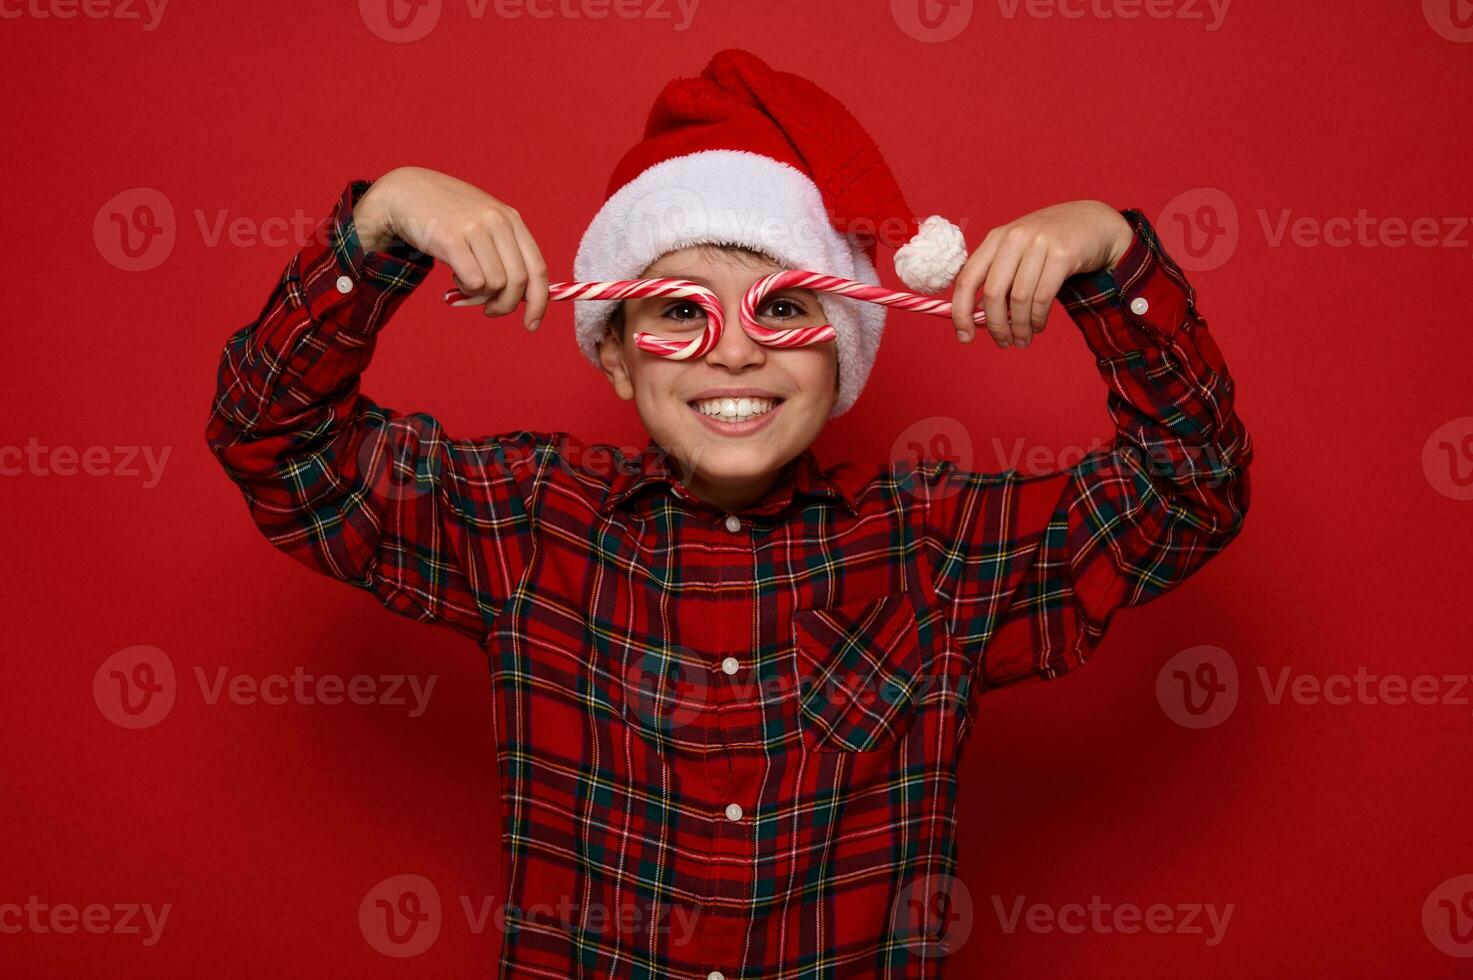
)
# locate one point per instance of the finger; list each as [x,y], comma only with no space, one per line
[510,254]
[1025,286]
[536,275]
[998,286]
[469,277]
[968,281]
[1055,271]
[495,274]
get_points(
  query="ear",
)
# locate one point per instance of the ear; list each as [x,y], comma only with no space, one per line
[615,367]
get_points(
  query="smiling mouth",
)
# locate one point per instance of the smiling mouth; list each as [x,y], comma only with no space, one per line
[734,410]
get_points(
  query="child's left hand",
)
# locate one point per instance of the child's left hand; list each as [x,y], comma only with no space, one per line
[1020,267]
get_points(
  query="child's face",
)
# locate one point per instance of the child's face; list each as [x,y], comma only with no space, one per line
[788,393]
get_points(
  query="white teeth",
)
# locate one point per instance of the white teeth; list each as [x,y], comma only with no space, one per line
[735,409]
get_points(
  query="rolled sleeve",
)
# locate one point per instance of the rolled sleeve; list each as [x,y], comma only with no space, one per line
[1143,300]
[336,279]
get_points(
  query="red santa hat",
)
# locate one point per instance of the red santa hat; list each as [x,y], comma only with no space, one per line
[744,155]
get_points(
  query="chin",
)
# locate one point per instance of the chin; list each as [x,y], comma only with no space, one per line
[733,462]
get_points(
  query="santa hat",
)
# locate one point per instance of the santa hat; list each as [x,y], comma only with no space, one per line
[744,155]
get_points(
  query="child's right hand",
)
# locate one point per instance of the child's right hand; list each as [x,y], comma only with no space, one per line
[483,240]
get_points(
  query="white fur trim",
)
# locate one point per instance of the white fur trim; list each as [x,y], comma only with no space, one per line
[737,198]
[930,261]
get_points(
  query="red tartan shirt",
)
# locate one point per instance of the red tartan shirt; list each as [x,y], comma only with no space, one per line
[728,742]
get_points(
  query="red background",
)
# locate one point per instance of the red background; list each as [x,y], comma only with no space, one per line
[1326,826]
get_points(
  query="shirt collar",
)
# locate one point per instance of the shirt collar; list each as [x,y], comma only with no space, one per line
[803,477]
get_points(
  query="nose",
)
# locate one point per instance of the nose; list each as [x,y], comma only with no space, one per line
[735,350]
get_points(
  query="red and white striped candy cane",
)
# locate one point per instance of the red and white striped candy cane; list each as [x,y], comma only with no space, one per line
[701,346]
[798,279]
[677,350]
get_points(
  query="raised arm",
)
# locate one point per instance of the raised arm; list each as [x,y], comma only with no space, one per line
[1034,566]
[439,530]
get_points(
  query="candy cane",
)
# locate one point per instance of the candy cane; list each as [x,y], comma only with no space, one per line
[708,301]
[798,279]
[676,350]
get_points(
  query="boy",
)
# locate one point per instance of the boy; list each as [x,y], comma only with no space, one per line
[731,686]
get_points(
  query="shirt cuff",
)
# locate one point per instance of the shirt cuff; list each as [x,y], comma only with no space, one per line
[358,289]
[1142,300]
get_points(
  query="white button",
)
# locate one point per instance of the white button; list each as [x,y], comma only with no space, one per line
[715,975]
[733,812]
[1139,306]
[345,284]
[731,665]
[733,523]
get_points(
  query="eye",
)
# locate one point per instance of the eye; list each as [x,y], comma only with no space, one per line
[684,312]
[783,308]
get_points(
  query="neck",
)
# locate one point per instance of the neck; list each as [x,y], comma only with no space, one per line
[731,498]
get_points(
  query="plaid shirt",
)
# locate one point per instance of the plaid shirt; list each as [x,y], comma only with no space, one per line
[728,741]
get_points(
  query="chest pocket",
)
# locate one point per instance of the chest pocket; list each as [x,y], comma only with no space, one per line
[858,668]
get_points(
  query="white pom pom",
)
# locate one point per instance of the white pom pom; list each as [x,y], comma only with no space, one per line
[930,261]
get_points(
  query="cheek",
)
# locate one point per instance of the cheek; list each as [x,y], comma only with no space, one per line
[655,380]
[815,371]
